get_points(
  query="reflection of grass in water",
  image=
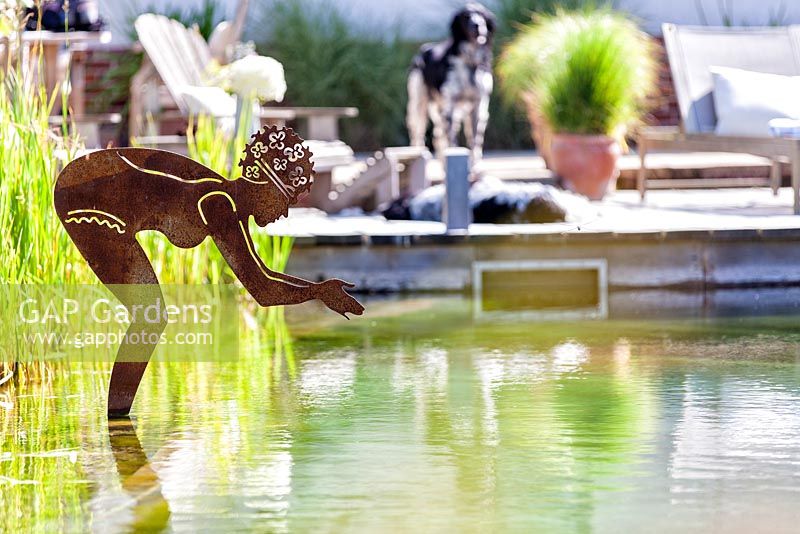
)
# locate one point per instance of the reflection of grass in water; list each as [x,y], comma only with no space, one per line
[228,419]
[603,417]
[266,357]
[43,485]
[531,440]
[51,413]
[235,423]
[277,348]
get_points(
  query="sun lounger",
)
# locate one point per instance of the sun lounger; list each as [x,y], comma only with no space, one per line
[692,51]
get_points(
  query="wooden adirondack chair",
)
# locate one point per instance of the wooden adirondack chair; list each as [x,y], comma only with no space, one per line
[179,56]
[227,34]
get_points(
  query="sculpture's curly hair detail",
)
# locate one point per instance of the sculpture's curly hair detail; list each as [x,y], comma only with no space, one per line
[280,156]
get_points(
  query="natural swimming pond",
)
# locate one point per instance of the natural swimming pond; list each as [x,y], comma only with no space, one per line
[426,420]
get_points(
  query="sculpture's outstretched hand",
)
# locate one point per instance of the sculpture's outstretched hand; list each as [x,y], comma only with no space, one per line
[333,295]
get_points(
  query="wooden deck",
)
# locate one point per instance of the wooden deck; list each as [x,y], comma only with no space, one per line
[677,239]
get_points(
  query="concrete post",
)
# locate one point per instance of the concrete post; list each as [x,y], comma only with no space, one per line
[456,211]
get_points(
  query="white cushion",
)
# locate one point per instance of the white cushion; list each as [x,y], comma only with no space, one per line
[745,101]
[788,128]
[212,101]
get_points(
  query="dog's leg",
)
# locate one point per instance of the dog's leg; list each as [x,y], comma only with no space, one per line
[440,143]
[480,118]
[453,116]
[417,110]
[469,128]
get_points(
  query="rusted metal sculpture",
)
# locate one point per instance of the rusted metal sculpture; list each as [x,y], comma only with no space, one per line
[104,198]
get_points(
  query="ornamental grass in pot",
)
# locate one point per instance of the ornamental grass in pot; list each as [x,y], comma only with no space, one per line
[584,78]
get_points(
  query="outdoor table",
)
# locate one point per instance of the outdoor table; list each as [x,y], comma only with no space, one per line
[51,43]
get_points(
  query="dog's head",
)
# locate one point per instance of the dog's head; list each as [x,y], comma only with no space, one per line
[474,24]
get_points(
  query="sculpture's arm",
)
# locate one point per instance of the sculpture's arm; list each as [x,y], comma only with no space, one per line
[231,235]
[233,240]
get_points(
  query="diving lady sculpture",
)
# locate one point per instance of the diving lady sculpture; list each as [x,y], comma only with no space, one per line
[104,198]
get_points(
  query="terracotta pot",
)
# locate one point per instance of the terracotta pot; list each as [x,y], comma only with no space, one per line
[586,163]
[540,131]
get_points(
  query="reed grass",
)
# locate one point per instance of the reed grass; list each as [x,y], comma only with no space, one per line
[35,247]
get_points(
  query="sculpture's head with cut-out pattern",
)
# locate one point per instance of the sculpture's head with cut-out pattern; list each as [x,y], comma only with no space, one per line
[278,165]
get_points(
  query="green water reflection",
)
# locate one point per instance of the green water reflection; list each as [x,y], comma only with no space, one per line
[424,421]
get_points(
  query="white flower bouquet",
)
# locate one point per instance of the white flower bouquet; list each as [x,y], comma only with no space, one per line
[253,76]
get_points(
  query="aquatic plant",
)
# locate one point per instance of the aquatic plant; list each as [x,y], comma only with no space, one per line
[35,247]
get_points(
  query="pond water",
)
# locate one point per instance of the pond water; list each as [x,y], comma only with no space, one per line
[425,420]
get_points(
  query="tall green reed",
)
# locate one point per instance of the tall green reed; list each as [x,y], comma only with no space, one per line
[36,249]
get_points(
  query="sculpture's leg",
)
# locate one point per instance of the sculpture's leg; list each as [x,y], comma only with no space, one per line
[122,265]
[134,351]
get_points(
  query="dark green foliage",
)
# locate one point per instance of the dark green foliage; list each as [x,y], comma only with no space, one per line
[776,16]
[116,81]
[206,16]
[328,64]
[511,14]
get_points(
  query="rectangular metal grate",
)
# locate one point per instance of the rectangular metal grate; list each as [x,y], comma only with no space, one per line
[541,289]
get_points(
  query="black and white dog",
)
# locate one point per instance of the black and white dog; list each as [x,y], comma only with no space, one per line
[452,81]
